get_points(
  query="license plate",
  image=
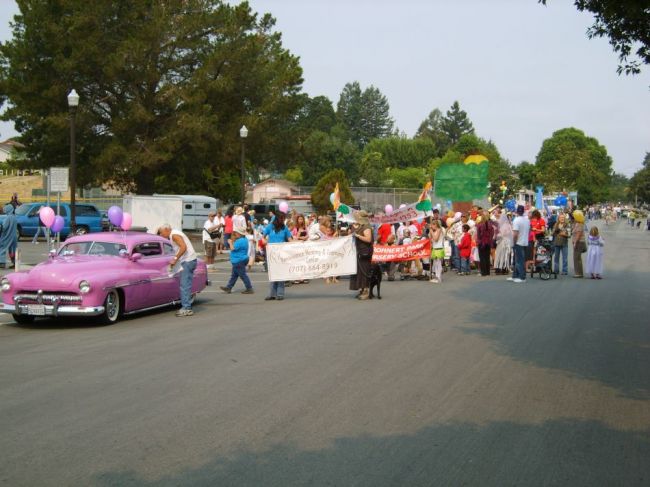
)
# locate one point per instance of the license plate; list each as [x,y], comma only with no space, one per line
[36,309]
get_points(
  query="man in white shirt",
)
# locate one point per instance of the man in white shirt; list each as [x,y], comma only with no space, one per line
[210,228]
[185,259]
[520,230]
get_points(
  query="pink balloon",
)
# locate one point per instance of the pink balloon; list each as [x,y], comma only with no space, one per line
[47,215]
[403,205]
[388,209]
[127,221]
[283,207]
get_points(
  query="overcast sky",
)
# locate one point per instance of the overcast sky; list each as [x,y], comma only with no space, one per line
[519,69]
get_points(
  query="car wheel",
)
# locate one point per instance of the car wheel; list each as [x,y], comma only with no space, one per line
[23,319]
[82,230]
[112,308]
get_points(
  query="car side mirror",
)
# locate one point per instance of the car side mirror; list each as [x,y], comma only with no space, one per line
[136,257]
[52,254]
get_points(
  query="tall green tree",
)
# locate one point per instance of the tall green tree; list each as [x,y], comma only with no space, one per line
[640,182]
[526,174]
[164,88]
[320,196]
[571,160]
[456,123]
[365,114]
[619,188]
[432,128]
[626,23]
[322,152]
[402,152]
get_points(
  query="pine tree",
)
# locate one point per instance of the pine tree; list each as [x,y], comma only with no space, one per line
[456,123]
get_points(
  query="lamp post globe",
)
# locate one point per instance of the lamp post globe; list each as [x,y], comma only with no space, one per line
[73,103]
[243,133]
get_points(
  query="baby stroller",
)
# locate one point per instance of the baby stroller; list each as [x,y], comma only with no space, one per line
[543,258]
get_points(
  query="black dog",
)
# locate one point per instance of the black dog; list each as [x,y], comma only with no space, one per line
[375,280]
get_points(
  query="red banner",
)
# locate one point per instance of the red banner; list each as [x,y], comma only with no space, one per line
[419,249]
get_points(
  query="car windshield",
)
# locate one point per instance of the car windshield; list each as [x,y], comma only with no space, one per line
[92,248]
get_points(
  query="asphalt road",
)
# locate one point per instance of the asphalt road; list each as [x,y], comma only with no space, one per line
[477,381]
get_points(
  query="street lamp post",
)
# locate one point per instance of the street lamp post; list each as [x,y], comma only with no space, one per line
[73,103]
[243,133]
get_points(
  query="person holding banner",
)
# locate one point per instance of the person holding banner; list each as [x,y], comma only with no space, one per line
[277,232]
[363,242]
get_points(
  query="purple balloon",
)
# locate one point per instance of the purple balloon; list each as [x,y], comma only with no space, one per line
[58,224]
[115,215]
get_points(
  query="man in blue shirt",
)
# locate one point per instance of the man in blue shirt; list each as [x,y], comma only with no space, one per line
[239,260]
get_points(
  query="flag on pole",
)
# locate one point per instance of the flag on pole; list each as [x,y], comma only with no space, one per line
[337,197]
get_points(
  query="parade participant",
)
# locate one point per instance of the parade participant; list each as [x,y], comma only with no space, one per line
[211,231]
[484,240]
[503,254]
[561,244]
[218,220]
[465,251]
[520,232]
[185,259]
[300,231]
[277,232]
[227,230]
[239,258]
[385,230]
[363,242]
[595,246]
[8,236]
[456,232]
[390,267]
[537,225]
[436,234]
[239,219]
[578,241]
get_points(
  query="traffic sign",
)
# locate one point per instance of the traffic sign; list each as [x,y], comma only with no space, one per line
[59,179]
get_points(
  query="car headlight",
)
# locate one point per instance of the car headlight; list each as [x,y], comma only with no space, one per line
[84,287]
[5,285]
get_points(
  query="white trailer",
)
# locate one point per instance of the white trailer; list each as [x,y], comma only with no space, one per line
[196,209]
[152,211]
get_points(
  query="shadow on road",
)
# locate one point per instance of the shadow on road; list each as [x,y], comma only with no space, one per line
[599,333]
[572,453]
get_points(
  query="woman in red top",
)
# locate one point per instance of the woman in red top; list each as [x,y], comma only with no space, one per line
[227,230]
[465,248]
[537,225]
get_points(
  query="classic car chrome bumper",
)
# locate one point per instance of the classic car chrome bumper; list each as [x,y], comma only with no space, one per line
[50,310]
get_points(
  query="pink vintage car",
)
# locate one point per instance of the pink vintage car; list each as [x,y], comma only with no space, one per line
[100,274]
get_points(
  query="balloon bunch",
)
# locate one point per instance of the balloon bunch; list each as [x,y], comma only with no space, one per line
[54,222]
[119,218]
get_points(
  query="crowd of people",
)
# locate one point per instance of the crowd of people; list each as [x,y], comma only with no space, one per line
[480,242]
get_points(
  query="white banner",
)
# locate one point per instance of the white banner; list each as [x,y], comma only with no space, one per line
[312,259]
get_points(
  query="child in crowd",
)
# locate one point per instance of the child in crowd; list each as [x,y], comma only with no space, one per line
[595,245]
[465,248]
